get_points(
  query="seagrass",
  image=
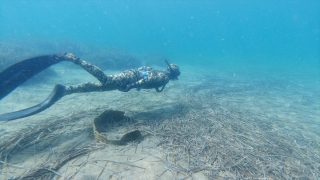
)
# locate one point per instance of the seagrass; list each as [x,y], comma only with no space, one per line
[199,132]
[223,142]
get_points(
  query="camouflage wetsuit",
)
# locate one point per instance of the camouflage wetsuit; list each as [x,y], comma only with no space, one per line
[143,77]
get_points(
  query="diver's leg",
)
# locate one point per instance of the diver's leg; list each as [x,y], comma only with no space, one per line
[58,92]
[20,72]
[92,69]
[85,87]
[15,75]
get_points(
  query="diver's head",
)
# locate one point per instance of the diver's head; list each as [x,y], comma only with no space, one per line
[173,70]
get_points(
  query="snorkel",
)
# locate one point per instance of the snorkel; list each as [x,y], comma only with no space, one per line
[172,72]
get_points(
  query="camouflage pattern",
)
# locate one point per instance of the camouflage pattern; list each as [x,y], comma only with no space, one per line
[143,77]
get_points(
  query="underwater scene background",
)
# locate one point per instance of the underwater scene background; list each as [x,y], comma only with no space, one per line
[255,65]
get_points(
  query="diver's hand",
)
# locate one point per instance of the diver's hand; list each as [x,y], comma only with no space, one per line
[128,87]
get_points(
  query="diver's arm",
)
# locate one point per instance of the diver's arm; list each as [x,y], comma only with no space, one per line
[160,90]
[130,86]
[141,83]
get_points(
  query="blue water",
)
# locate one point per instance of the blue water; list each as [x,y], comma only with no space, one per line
[242,32]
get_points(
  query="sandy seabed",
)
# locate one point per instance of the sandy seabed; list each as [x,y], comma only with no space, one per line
[206,125]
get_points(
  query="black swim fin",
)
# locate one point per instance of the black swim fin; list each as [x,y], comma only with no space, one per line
[56,94]
[18,73]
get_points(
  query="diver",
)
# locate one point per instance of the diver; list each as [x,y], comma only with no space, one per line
[141,78]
